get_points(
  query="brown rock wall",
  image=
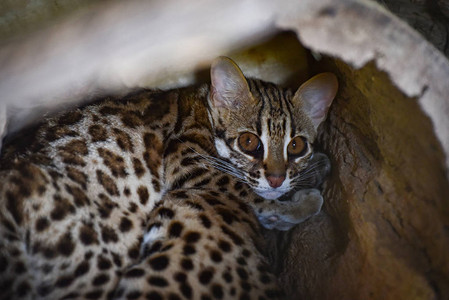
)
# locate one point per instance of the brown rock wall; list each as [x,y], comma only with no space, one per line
[384,230]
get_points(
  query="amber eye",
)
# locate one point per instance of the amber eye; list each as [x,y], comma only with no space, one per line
[250,143]
[297,146]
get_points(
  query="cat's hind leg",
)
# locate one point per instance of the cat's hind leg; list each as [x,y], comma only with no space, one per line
[283,215]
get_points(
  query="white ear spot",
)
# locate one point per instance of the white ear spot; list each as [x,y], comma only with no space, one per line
[229,87]
[316,95]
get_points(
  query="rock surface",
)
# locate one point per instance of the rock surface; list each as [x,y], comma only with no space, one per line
[384,231]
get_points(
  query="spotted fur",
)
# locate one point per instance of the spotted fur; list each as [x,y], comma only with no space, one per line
[129,198]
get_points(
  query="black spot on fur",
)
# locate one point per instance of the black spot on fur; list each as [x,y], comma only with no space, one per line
[88,235]
[227,277]
[211,200]
[42,224]
[135,273]
[108,235]
[224,246]
[125,224]
[187,264]
[154,296]
[226,215]
[107,110]
[98,133]
[100,279]
[195,205]
[59,211]
[79,196]
[14,205]
[180,194]
[123,140]
[77,176]
[242,273]
[158,281]
[166,213]
[195,173]
[133,295]
[173,296]
[156,185]
[192,237]
[143,193]
[234,237]
[117,259]
[139,170]
[188,250]
[105,206]
[175,229]
[114,162]
[103,263]
[243,194]
[94,294]
[186,290]
[216,256]
[73,152]
[246,253]
[217,291]
[3,263]
[130,120]
[108,183]
[187,161]
[180,277]
[20,268]
[155,247]
[223,181]
[159,263]
[241,261]
[134,252]
[70,118]
[205,221]
[82,269]
[205,276]
[65,245]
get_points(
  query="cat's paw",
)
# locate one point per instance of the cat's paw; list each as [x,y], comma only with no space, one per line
[283,215]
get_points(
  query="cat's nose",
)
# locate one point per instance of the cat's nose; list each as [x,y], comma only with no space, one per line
[275,180]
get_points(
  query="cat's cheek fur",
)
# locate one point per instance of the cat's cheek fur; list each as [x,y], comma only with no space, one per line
[222,148]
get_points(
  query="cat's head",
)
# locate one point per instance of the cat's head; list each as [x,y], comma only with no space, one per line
[266,132]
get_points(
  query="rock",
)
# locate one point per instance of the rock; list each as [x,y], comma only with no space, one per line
[384,230]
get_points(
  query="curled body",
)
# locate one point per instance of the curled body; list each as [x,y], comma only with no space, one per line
[159,194]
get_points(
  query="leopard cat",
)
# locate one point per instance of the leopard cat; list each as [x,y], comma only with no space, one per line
[159,194]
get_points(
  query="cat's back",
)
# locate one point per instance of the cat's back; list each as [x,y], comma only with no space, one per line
[75,191]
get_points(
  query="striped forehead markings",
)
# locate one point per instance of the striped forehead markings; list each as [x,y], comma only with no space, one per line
[289,106]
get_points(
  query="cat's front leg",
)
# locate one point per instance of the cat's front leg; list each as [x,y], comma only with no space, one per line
[283,215]
[300,205]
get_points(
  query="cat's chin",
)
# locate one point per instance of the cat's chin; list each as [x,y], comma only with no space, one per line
[269,194]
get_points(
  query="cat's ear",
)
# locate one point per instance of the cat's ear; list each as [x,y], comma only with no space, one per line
[228,85]
[316,95]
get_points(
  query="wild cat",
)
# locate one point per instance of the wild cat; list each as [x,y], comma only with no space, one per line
[156,195]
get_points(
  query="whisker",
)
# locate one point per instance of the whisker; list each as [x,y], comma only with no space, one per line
[220,165]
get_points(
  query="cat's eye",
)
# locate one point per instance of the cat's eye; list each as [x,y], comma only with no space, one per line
[297,147]
[250,143]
